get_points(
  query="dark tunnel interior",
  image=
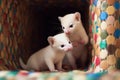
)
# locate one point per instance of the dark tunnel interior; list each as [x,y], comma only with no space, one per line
[43,19]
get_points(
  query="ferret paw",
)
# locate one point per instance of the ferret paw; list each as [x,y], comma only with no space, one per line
[62,70]
[81,42]
[75,44]
[74,67]
[54,70]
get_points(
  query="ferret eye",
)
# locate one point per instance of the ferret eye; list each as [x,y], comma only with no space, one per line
[71,26]
[62,45]
[63,27]
[69,42]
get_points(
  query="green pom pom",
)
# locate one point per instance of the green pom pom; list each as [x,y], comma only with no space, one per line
[104,34]
[103,44]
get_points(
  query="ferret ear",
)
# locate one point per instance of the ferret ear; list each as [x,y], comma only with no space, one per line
[77,16]
[59,18]
[50,40]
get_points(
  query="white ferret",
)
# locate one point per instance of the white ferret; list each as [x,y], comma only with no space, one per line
[73,27]
[50,56]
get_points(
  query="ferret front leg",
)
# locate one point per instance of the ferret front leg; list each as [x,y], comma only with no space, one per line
[50,65]
[75,43]
[59,66]
[71,60]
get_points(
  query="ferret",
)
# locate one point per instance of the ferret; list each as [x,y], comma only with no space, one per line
[73,28]
[50,56]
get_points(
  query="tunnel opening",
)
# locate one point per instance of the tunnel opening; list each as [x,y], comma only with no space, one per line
[42,21]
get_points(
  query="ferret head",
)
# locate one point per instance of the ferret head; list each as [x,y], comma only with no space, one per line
[72,24]
[69,22]
[60,42]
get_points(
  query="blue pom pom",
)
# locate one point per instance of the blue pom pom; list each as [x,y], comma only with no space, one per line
[95,2]
[95,76]
[117,33]
[117,5]
[103,16]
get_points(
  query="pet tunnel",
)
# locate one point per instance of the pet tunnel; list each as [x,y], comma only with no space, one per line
[105,27]
[25,26]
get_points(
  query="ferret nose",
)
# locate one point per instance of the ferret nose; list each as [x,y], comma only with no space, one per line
[67,32]
[70,47]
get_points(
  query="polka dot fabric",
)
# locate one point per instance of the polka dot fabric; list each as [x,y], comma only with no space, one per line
[30,75]
[106,18]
